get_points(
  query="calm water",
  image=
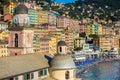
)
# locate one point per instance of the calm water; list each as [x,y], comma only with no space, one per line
[103,71]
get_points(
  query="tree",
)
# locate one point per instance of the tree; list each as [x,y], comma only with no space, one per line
[82,35]
[93,36]
[78,48]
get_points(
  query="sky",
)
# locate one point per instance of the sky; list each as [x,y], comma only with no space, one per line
[64,1]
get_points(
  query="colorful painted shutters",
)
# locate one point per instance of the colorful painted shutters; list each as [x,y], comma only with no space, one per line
[38,73]
[16,78]
[24,77]
[45,71]
[32,75]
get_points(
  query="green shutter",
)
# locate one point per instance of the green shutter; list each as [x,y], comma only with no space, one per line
[38,73]
[45,71]
[7,79]
[32,75]
[25,77]
[16,78]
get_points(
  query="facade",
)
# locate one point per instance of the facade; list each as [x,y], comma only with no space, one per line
[89,29]
[3,26]
[9,8]
[4,35]
[21,36]
[82,28]
[3,48]
[105,43]
[100,30]
[52,45]
[79,42]
[33,15]
[42,17]
[52,18]
[63,22]
[44,45]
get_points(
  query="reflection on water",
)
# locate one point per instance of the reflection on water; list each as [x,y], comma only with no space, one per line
[103,71]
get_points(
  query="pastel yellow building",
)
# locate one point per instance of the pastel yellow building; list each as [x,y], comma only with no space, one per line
[100,30]
[53,45]
[42,17]
[4,35]
[89,29]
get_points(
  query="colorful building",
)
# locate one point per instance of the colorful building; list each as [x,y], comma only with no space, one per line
[3,26]
[105,43]
[21,35]
[63,22]
[3,48]
[33,15]
[52,18]
[44,45]
[42,17]
[9,8]
[89,29]
[82,28]
[4,35]
[52,45]
[100,30]
[79,42]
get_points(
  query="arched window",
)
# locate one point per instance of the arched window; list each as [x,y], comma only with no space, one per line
[60,49]
[67,75]
[16,40]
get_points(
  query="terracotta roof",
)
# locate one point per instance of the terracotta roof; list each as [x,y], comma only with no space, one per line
[16,65]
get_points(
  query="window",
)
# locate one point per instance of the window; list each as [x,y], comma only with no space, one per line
[24,77]
[45,71]
[32,75]
[11,78]
[16,40]
[67,75]
[16,78]
[60,49]
[28,76]
[38,73]
[41,72]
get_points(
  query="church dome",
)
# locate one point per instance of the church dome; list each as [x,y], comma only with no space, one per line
[62,62]
[21,9]
[61,43]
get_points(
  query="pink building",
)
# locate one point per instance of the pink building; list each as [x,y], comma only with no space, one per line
[51,27]
[63,21]
[52,18]
[44,45]
[82,28]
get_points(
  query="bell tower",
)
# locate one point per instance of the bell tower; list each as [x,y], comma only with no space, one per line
[62,47]
[21,36]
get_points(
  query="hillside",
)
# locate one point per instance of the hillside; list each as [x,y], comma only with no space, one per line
[104,9]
